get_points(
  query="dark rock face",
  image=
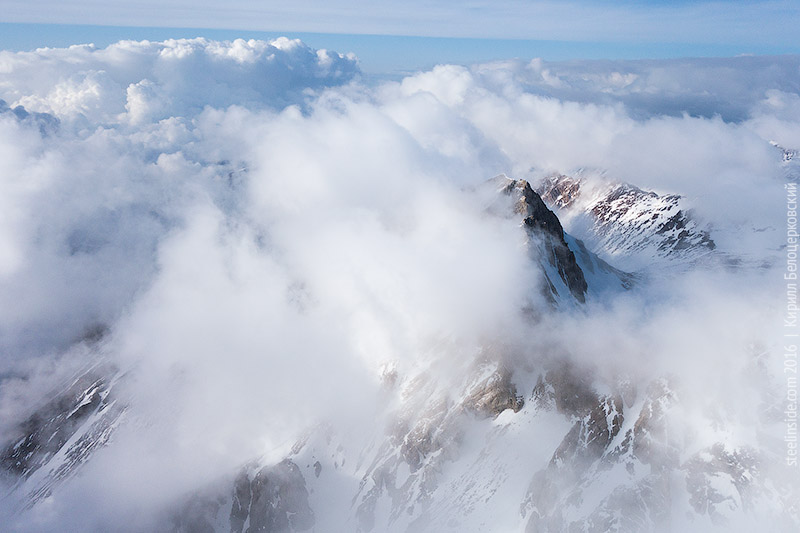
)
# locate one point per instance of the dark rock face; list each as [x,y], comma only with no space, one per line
[565,389]
[676,230]
[83,415]
[679,235]
[264,499]
[419,438]
[197,515]
[62,435]
[626,220]
[591,264]
[560,190]
[583,446]
[651,440]
[407,468]
[423,446]
[49,428]
[595,445]
[545,228]
[589,437]
[787,154]
[240,507]
[740,468]
[275,500]
[494,395]
[535,213]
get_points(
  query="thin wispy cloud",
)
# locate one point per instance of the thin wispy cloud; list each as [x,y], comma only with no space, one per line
[767,22]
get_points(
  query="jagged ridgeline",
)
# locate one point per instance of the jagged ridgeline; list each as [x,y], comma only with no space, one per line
[519,443]
[246,287]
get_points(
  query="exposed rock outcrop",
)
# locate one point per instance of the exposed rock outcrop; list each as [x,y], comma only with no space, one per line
[50,445]
[624,221]
[547,239]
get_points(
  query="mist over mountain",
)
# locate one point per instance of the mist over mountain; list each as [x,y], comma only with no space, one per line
[243,289]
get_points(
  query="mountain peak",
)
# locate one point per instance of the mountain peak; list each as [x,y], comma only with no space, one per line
[546,237]
[622,221]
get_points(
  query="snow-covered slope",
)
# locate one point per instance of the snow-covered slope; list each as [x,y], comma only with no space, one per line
[537,451]
[519,440]
[570,271]
[623,223]
[51,445]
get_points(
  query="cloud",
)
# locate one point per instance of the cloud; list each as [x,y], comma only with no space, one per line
[776,116]
[567,116]
[157,80]
[264,235]
[727,87]
[245,246]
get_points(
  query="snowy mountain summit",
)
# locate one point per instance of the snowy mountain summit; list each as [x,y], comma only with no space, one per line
[246,287]
[569,270]
[516,438]
[626,224]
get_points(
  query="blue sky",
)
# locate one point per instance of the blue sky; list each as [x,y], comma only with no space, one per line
[427,32]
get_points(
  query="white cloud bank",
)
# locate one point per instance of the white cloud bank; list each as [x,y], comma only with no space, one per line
[153,80]
[263,234]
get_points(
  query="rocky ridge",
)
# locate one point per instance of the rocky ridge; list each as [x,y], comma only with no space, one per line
[624,223]
[524,441]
